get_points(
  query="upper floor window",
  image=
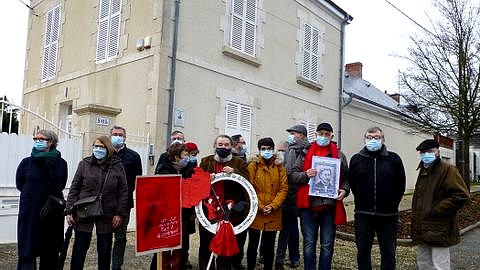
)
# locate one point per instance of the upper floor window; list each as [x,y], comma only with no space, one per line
[109,18]
[244,26]
[50,48]
[312,51]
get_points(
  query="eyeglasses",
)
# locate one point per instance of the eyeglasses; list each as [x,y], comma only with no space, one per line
[265,148]
[373,137]
[37,139]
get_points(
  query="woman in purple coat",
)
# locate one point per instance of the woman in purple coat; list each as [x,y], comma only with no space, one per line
[42,174]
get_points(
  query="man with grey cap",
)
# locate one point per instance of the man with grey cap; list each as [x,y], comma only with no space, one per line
[297,148]
[439,193]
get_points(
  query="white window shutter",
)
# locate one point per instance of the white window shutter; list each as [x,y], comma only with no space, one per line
[236,32]
[114,29]
[102,34]
[231,112]
[50,50]
[238,120]
[311,130]
[311,53]
[244,26]
[108,36]
[250,27]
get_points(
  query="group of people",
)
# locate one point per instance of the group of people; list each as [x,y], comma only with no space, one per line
[281,176]
[109,173]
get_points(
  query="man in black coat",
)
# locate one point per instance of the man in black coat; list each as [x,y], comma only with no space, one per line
[377,180]
[133,167]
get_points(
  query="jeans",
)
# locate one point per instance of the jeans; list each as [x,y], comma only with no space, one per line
[288,236]
[81,245]
[311,222]
[120,242]
[269,244]
[429,257]
[386,229]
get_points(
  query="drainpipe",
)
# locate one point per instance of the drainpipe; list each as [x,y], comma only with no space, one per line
[173,66]
[342,75]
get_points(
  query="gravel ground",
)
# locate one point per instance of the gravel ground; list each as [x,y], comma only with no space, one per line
[464,256]
[344,256]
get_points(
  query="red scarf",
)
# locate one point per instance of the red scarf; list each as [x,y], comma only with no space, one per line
[303,199]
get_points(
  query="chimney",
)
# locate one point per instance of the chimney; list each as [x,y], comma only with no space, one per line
[354,69]
[395,96]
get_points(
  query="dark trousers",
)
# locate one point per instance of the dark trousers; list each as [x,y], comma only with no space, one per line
[48,261]
[81,245]
[221,262]
[386,229]
[120,236]
[268,239]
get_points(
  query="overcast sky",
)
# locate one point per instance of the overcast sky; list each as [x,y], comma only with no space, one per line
[376,34]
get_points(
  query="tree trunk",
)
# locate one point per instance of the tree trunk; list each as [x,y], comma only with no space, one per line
[465,160]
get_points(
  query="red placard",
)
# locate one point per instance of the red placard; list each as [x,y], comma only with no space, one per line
[158,213]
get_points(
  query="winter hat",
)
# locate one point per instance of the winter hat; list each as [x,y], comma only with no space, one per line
[325,126]
[191,146]
[298,128]
[428,144]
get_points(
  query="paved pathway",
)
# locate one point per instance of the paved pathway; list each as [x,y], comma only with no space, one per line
[466,255]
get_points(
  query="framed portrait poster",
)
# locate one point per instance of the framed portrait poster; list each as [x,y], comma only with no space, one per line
[327,180]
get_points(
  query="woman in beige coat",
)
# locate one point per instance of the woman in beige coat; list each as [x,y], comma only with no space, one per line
[269,179]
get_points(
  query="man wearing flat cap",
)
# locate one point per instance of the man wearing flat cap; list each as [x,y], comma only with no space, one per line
[319,213]
[297,148]
[439,193]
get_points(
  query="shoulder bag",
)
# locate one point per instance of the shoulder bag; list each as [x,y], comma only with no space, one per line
[91,206]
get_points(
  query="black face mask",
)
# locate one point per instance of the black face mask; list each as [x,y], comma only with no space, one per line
[223,152]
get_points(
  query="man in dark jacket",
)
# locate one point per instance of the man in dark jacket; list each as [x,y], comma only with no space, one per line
[295,154]
[133,167]
[439,193]
[377,180]
[224,162]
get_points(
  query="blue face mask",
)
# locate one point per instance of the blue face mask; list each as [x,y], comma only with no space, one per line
[99,152]
[323,141]
[244,149]
[373,145]
[40,145]
[291,139]
[428,157]
[183,162]
[192,159]
[266,154]
[117,141]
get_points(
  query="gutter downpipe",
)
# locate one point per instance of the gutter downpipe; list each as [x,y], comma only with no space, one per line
[342,75]
[173,67]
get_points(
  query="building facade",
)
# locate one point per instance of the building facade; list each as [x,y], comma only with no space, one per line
[252,67]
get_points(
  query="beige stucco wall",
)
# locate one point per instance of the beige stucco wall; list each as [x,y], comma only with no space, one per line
[206,77]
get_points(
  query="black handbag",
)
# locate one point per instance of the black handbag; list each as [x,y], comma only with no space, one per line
[54,206]
[91,206]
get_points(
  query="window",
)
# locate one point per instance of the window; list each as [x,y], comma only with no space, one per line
[109,18]
[312,49]
[311,130]
[244,26]
[238,120]
[50,49]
